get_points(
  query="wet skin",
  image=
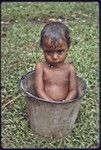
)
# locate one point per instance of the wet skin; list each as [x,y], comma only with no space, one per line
[55,79]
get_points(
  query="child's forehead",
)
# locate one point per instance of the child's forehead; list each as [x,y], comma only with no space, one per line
[53,43]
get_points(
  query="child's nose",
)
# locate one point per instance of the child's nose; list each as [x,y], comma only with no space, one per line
[55,56]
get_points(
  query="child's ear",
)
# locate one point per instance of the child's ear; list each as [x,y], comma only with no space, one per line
[69,45]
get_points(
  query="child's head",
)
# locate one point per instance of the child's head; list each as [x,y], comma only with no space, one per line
[55,42]
[55,31]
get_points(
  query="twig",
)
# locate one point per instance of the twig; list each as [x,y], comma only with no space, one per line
[11,101]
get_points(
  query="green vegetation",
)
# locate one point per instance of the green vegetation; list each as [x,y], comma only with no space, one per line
[21,24]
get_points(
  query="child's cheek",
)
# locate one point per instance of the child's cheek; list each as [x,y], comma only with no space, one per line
[48,56]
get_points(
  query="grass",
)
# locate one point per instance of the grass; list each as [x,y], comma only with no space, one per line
[20,51]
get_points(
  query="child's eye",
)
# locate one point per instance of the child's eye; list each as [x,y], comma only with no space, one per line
[48,52]
[60,51]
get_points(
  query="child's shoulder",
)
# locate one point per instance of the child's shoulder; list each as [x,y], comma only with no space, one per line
[71,66]
[39,65]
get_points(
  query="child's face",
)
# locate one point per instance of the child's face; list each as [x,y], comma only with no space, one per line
[55,52]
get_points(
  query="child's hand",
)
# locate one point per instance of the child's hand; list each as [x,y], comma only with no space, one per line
[63,100]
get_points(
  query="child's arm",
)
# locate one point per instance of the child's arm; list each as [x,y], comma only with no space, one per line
[72,85]
[39,85]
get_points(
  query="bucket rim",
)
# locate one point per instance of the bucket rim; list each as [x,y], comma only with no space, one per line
[43,100]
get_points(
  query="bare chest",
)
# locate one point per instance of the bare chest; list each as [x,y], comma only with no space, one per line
[56,77]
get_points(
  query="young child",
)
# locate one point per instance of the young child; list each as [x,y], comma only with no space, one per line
[55,79]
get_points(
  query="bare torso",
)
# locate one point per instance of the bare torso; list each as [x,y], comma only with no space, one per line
[56,81]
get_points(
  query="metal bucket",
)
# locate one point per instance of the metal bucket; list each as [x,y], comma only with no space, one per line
[51,119]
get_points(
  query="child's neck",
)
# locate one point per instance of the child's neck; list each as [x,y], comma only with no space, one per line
[55,67]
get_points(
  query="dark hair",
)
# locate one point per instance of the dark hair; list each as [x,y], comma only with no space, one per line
[55,30]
